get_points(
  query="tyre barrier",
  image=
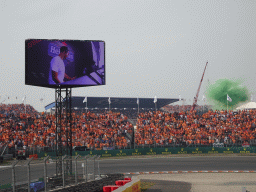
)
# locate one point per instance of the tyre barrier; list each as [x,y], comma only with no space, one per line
[93,186]
[122,182]
[118,183]
[132,186]
[35,156]
[110,188]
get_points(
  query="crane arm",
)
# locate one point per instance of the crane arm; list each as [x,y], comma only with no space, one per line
[195,98]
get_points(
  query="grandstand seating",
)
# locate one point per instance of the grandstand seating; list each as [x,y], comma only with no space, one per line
[98,129]
[162,128]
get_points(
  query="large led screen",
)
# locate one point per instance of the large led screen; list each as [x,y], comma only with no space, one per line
[64,63]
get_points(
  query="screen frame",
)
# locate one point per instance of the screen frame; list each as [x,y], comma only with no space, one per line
[35,41]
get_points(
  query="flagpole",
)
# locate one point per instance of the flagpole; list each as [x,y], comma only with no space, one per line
[179,102]
[155,100]
[86,106]
[227,105]
[25,105]
[109,104]
[138,107]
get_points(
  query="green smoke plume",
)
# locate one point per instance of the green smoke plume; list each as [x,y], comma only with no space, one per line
[217,94]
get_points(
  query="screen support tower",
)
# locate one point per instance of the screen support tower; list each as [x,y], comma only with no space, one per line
[63,115]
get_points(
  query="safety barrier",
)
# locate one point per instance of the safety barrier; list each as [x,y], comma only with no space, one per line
[110,188]
[133,186]
[121,184]
[35,156]
[162,151]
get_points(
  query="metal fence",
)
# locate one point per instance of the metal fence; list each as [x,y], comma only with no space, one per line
[40,175]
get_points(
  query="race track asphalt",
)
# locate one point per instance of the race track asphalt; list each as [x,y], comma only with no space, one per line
[146,164]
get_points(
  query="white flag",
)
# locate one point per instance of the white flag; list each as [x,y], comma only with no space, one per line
[155,99]
[228,98]
[203,98]
[137,100]
[109,100]
[179,97]
[24,98]
[85,100]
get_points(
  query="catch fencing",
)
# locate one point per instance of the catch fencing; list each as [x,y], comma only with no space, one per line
[41,174]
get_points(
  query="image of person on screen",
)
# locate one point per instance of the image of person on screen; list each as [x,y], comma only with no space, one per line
[57,68]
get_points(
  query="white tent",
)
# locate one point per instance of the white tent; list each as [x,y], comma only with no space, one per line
[250,105]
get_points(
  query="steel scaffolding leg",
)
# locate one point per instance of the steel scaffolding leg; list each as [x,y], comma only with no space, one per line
[63,115]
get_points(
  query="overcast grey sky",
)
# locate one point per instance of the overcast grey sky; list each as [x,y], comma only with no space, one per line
[153,47]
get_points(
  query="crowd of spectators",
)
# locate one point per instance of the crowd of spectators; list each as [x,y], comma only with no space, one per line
[97,129]
[187,128]
[91,129]
[16,110]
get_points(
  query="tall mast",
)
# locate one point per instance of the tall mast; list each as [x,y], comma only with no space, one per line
[195,98]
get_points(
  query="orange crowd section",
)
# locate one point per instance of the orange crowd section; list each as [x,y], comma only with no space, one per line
[107,129]
[187,127]
[94,130]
